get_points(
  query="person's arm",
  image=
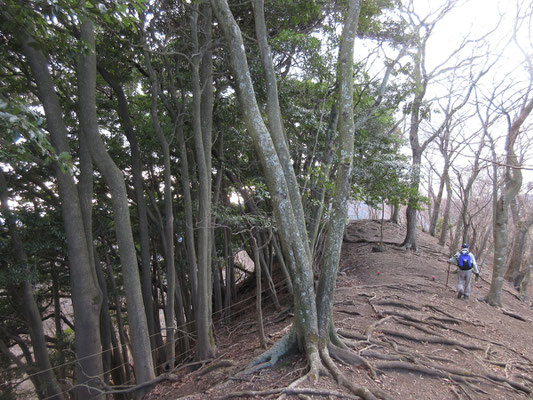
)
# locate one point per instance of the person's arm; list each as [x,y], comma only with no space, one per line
[474,264]
[454,259]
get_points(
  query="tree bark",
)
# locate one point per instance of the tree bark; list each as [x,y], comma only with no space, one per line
[319,199]
[513,182]
[86,295]
[168,231]
[296,244]
[275,123]
[136,171]
[438,199]
[47,385]
[518,248]
[115,179]
[329,268]
[192,261]
[205,348]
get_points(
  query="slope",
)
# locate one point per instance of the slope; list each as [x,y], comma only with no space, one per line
[415,339]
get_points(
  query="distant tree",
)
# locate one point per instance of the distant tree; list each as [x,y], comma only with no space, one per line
[419,108]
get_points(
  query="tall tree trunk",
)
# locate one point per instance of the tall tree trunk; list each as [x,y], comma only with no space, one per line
[86,295]
[120,322]
[136,171]
[513,182]
[395,214]
[258,309]
[294,239]
[446,216]
[60,372]
[438,200]
[85,189]
[230,272]
[205,347]
[113,176]
[206,107]
[517,251]
[189,222]
[524,276]
[46,382]
[339,210]
[318,207]
[420,82]
[275,123]
[168,232]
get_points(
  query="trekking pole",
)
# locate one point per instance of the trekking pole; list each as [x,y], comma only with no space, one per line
[448,274]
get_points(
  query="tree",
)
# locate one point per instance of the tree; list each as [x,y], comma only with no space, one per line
[419,108]
[46,384]
[512,178]
[115,179]
[86,294]
[312,326]
[511,184]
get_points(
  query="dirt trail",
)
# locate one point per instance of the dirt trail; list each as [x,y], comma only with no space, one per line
[397,313]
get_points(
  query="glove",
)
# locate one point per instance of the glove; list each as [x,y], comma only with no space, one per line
[477,277]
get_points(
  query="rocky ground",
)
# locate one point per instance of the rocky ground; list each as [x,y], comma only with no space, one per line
[396,311]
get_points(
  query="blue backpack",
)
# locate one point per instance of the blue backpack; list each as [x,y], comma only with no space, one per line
[464,261]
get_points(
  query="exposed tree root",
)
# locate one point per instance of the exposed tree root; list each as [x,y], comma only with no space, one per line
[512,314]
[525,377]
[284,346]
[360,391]
[292,391]
[215,365]
[398,304]
[349,312]
[456,374]
[453,317]
[420,326]
[449,321]
[397,357]
[381,356]
[351,334]
[429,339]
[336,339]
[369,330]
[350,358]
[401,366]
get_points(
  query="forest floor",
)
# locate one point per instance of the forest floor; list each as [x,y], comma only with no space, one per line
[425,343]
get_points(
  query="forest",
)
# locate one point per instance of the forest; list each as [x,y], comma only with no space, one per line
[148,147]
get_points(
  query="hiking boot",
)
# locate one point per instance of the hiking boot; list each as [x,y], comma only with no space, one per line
[459,294]
[466,297]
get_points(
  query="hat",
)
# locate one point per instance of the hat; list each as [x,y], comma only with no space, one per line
[464,246]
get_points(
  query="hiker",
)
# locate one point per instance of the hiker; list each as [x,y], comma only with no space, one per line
[467,264]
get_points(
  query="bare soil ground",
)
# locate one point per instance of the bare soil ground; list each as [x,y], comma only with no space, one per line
[398,314]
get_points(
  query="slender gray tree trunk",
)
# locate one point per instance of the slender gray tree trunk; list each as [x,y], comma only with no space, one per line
[518,248]
[438,201]
[136,171]
[168,230]
[339,210]
[513,182]
[447,209]
[47,385]
[86,295]
[113,176]
[295,241]
[205,346]
[189,221]
[318,208]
